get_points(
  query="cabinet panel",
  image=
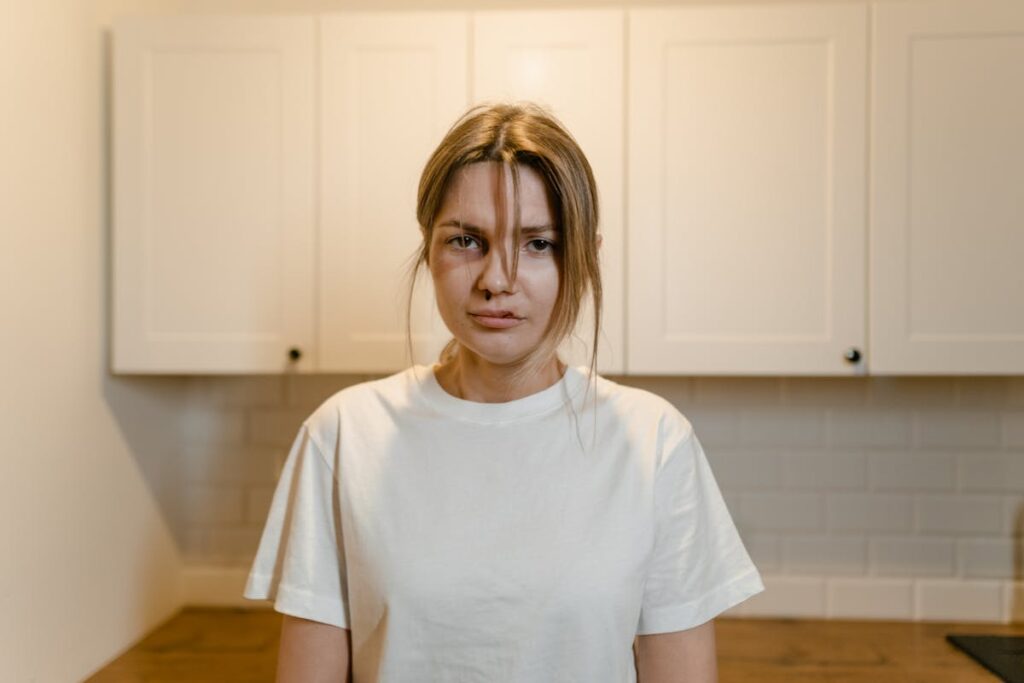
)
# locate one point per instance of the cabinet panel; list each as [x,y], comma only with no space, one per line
[391,86]
[571,62]
[947,223]
[213,210]
[746,246]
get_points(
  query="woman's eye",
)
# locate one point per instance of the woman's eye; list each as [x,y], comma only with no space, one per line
[461,241]
[539,245]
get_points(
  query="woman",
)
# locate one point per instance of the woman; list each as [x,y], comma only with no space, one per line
[498,515]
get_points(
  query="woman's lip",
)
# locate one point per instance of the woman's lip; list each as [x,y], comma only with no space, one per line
[495,322]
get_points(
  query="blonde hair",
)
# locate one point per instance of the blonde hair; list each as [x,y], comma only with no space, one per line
[526,134]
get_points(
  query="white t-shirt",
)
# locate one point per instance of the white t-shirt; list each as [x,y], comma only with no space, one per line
[526,541]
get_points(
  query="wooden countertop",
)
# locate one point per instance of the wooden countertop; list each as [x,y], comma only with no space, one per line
[201,645]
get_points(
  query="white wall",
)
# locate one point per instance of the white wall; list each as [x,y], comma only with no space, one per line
[87,560]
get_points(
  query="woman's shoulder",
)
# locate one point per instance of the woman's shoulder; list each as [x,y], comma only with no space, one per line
[646,405]
[362,398]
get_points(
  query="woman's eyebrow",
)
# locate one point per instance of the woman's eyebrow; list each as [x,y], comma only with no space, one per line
[534,229]
[457,224]
[469,227]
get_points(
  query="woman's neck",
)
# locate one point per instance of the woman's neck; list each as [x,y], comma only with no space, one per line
[470,378]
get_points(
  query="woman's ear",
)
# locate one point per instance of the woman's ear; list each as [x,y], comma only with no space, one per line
[600,239]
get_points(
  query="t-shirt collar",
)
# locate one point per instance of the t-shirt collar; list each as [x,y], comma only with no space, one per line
[539,403]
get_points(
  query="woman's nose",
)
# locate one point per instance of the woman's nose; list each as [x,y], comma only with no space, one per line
[494,276]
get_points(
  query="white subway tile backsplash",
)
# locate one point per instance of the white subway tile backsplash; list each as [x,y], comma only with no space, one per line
[780,511]
[230,464]
[1013,601]
[991,558]
[202,426]
[869,512]
[732,504]
[1013,428]
[897,471]
[982,392]
[257,503]
[870,428]
[304,393]
[825,391]
[716,428]
[743,471]
[959,514]
[871,598]
[677,390]
[956,429]
[232,391]
[1013,516]
[233,543]
[788,596]
[275,427]
[824,555]
[763,550]
[959,600]
[790,428]
[1015,391]
[992,471]
[912,392]
[911,556]
[212,504]
[730,392]
[193,543]
[824,470]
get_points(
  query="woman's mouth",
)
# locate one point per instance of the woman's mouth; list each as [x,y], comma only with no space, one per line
[496,319]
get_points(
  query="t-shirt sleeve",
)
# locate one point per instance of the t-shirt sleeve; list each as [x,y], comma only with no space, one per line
[300,561]
[699,566]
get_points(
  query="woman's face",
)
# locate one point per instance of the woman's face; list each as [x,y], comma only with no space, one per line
[498,320]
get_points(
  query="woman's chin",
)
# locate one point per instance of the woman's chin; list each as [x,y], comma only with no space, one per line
[494,354]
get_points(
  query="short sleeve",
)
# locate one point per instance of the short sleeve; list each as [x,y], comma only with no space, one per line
[699,567]
[300,561]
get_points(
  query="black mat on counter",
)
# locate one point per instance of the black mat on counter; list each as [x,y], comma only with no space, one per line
[1002,655]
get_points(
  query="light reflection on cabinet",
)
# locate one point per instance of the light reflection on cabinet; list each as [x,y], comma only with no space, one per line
[570,61]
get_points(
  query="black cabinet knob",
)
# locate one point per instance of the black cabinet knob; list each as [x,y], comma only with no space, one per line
[852,354]
[294,353]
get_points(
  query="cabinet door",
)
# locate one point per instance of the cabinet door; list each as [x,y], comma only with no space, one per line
[746,192]
[571,62]
[947,192]
[213,194]
[391,86]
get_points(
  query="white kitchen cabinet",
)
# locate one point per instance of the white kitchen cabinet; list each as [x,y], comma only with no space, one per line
[391,84]
[746,190]
[213,167]
[571,62]
[265,176]
[947,190]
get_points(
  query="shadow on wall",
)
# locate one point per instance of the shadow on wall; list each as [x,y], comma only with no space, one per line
[147,408]
[148,412]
